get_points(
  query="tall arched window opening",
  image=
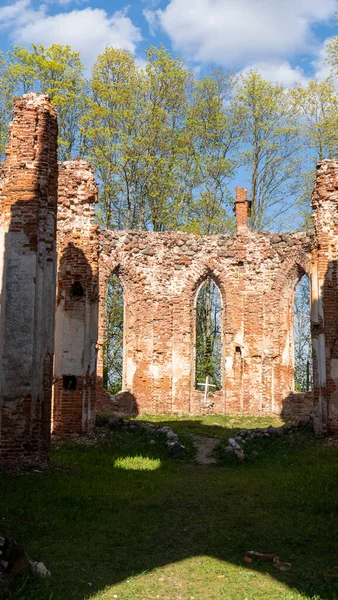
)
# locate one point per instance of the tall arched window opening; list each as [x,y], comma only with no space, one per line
[113,336]
[302,337]
[208,337]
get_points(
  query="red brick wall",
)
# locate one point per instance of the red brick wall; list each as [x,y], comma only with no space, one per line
[325,297]
[28,204]
[160,274]
[77,297]
[241,210]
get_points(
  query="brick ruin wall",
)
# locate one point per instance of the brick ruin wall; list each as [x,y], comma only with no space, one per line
[28,203]
[160,274]
[325,297]
[76,300]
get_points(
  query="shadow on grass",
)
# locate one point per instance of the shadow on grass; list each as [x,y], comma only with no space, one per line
[103,513]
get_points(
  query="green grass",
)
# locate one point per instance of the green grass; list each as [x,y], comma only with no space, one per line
[122,520]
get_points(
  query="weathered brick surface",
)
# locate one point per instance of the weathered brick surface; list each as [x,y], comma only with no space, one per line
[28,205]
[161,273]
[77,296]
[325,297]
[241,210]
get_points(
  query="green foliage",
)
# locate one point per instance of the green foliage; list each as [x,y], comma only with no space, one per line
[113,340]
[317,107]
[58,72]
[6,102]
[270,150]
[159,141]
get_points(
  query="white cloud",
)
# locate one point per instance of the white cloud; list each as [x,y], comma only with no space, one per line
[67,2]
[279,72]
[88,30]
[321,68]
[18,14]
[9,12]
[151,18]
[237,31]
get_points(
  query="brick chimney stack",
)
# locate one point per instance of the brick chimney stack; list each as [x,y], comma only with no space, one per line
[242,210]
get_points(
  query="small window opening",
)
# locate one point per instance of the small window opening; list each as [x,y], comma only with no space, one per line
[77,290]
[69,382]
[238,350]
[302,337]
[240,263]
[208,338]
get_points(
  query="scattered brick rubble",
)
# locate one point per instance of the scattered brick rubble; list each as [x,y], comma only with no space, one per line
[235,445]
[173,444]
[14,561]
[252,555]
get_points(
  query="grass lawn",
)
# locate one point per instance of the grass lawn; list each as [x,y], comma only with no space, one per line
[120,519]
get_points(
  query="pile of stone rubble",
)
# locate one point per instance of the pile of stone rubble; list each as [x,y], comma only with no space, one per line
[173,444]
[235,445]
[14,561]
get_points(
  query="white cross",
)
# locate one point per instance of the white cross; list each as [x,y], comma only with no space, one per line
[206,386]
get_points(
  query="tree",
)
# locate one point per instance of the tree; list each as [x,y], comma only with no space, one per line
[270,154]
[135,130]
[6,105]
[214,137]
[111,131]
[316,106]
[58,72]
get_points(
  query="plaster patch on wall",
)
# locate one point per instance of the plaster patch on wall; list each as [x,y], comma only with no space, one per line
[154,371]
[131,368]
[286,351]
[229,361]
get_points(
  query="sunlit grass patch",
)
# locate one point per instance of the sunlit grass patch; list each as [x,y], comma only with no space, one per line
[200,578]
[137,463]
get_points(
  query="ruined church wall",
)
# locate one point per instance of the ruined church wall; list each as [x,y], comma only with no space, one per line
[160,274]
[325,297]
[76,300]
[28,204]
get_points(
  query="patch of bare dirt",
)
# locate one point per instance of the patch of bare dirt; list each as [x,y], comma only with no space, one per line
[205,450]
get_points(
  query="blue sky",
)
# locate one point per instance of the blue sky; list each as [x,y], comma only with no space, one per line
[284,39]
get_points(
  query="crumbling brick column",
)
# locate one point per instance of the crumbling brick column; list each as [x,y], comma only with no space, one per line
[27,282]
[242,210]
[77,300]
[325,297]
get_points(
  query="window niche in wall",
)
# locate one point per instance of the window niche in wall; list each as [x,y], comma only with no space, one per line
[113,336]
[77,290]
[69,382]
[208,350]
[302,337]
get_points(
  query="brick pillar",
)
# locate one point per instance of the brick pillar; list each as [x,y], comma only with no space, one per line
[77,300]
[28,204]
[241,210]
[324,296]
